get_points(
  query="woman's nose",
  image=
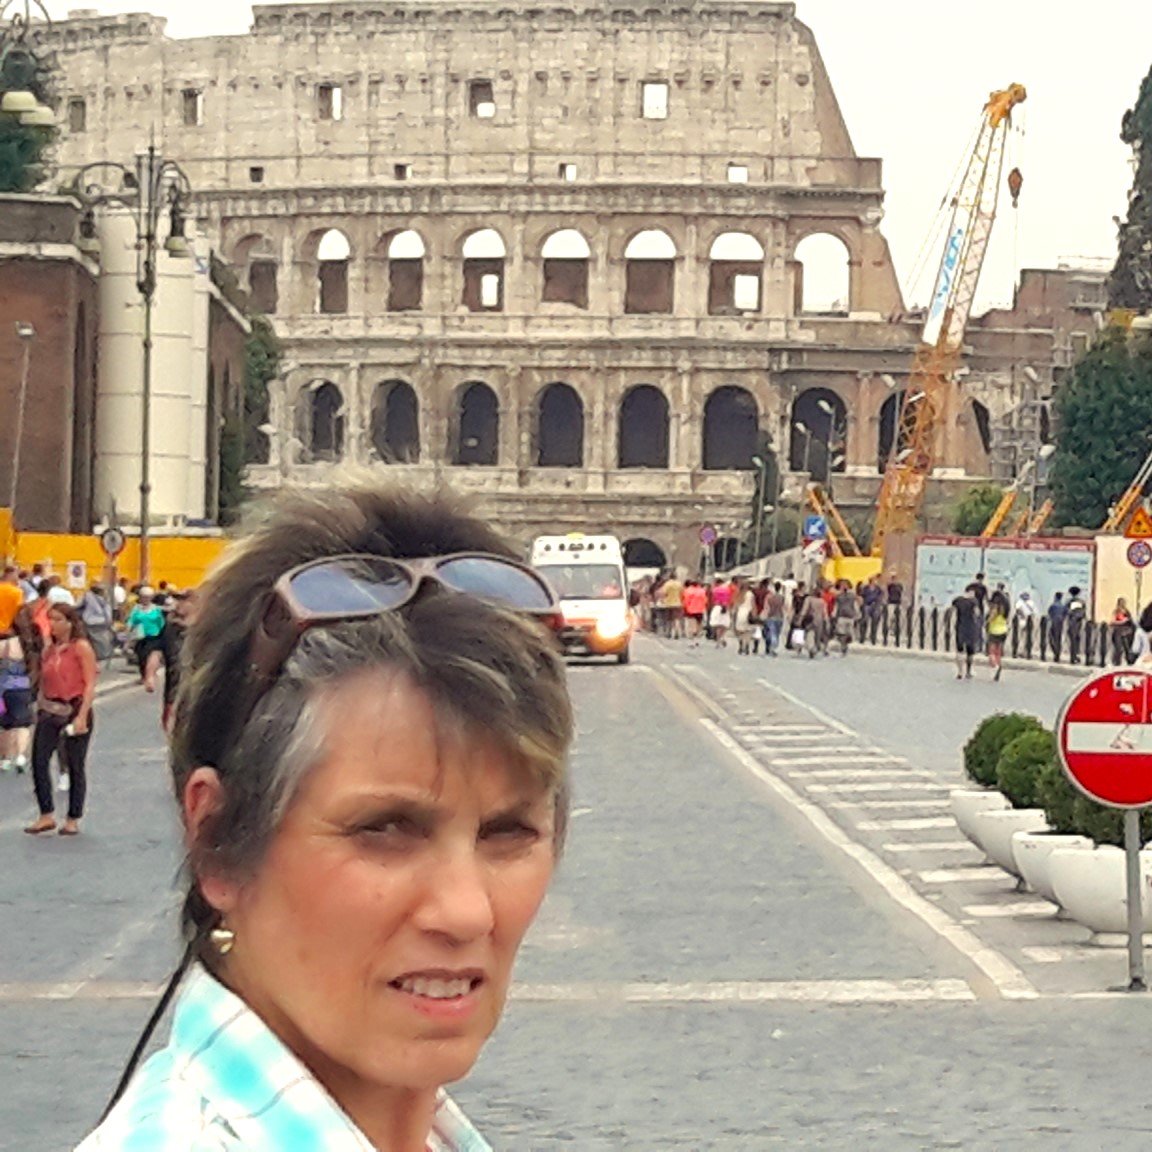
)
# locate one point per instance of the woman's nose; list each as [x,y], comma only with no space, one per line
[458,902]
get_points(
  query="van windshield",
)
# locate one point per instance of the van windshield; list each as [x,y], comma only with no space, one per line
[583,581]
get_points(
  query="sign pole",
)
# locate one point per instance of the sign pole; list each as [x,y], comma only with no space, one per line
[1136,982]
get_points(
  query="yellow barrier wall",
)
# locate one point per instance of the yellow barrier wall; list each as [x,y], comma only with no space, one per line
[854,569]
[1115,577]
[181,560]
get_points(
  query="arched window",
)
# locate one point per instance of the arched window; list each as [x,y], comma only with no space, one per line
[255,257]
[819,434]
[560,428]
[823,276]
[737,262]
[326,426]
[650,273]
[396,423]
[566,255]
[334,254]
[642,553]
[484,256]
[476,436]
[405,272]
[731,428]
[983,419]
[643,429]
[889,422]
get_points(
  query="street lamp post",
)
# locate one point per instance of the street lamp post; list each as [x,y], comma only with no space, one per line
[156,186]
[26,334]
[19,65]
[762,475]
[806,433]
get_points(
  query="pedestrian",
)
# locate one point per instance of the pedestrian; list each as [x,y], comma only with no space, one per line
[1122,632]
[53,590]
[672,601]
[64,719]
[997,631]
[1057,615]
[720,615]
[743,617]
[998,599]
[772,620]
[11,596]
[1077,614]
[872,596]
[97,615]
[1024,609]
[374,805]
[146,624]
[695,604]
[845,612]
[966,613]
[16,716]
[814,622]
[180,618]
[893,600]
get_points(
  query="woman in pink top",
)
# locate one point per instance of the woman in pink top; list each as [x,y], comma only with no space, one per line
[64,718]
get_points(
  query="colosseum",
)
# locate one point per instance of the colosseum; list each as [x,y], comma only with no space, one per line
[584,259]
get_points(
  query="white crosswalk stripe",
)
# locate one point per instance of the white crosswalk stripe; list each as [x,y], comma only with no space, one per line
[878,786]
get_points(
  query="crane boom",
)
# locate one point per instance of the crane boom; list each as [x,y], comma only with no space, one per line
[925,401]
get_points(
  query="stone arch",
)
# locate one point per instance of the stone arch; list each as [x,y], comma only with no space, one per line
[325,421]
[735,271]
[650,273]
[333,259]
[982,419]
[886,446]
[642,440]
[565,256]
[819,433]
[475,426]
[405,254]
[823,275]
[559,427]
[484,255]
[255,256]
[640,552]
[396,422]
[731,428]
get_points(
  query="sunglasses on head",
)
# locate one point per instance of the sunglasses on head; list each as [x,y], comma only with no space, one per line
[358,587]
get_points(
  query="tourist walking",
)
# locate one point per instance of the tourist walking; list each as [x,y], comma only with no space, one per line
[695,601]
[1077,615]
[1057,615]
[743,617]
[16,716]
[64,718]
[997,630]
[1122,633]
[772,620]
[966,613]
[146,624]
[814,621]
[720,614]
[845,612]
[97,614]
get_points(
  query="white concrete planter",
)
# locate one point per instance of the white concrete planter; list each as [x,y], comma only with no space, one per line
[966,802]
[1031,851]
[1089,884]
[993,830]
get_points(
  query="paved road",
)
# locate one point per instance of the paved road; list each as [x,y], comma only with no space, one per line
[732,957]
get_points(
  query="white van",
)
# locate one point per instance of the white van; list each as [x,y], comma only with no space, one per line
[587,574]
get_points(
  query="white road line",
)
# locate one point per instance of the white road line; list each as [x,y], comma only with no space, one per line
[1008,980]
[96,990]
[932,846]
[906,825]
[859,774]
[831,721]
[881,805]
[755,737]
[1035,907]
[963,875]
[840,758]
[750,992]
[879,786]
[796,730]
[1043,955]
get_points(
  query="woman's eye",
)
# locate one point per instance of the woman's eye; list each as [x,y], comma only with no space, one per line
[391,828]
[509,831]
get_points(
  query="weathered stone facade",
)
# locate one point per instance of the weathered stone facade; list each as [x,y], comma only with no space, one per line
[621,374]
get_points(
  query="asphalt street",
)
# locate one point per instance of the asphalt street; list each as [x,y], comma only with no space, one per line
[751,943]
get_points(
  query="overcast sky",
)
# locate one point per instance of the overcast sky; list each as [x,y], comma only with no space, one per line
[912,77]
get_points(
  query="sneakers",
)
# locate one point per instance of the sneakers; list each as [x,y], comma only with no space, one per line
[65,783]
[20,764]
[5,765]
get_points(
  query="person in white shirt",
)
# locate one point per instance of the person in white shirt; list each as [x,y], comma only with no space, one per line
[1025,609]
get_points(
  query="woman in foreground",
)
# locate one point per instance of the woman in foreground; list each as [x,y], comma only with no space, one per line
[369,751]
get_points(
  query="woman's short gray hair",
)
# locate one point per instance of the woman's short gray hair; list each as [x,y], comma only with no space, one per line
[487,670]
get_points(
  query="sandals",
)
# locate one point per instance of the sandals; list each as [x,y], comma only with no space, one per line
[40,827]
[69,828]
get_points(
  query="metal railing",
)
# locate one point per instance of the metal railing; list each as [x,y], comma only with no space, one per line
[1088,643]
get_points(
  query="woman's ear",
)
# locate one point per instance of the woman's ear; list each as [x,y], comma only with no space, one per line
[203,799]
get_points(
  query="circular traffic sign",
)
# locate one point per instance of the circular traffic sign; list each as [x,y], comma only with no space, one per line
[1104,735]
[1140,553]
[708,535]
[112,541]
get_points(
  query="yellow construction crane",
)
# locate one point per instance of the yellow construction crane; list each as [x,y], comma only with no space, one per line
[841,542]
[926,402]
[1121,512]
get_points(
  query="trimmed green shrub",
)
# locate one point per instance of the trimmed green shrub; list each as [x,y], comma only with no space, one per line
[1018,769]
[1058,796]
[993,734]
[1106,825]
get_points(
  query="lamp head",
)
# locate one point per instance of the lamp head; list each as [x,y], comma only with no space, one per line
[25,331]
[176,244]
[18,103]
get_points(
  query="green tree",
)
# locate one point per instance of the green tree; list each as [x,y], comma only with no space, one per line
[1103,416]
[975,509]
[23,149]
[262,364]
[1131,283]
[232,491]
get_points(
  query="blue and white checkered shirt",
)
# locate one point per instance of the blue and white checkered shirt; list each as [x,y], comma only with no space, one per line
[225,1082]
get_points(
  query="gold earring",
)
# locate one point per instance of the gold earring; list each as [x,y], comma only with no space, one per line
[223,939]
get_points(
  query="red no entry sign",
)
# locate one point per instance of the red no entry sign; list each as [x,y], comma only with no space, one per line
[1105,738]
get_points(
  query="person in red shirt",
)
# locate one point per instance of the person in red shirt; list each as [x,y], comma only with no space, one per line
[68,672]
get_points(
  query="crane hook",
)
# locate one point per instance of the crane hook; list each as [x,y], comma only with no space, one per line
[1015,183]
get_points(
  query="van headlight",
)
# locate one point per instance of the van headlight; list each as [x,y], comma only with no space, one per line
[613,625]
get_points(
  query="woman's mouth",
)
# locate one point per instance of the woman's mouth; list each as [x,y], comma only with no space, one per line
[439,988]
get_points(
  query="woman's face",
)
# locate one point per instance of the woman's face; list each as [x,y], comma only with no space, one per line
[378,936]
[61,628]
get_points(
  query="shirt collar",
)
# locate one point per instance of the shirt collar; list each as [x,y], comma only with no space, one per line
[263,1091]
